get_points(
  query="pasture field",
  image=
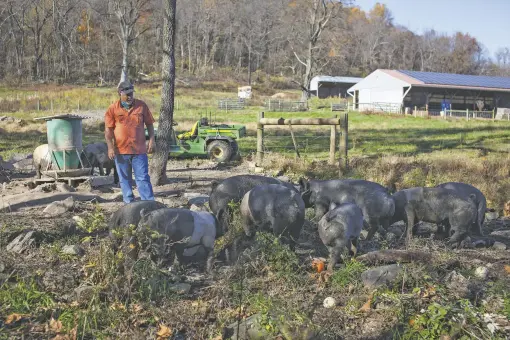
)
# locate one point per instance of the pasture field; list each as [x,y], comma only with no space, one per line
[47,291]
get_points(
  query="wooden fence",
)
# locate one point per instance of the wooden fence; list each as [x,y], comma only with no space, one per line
[334,123]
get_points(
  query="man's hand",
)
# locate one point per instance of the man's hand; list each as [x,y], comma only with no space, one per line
[151,146]
[111,153]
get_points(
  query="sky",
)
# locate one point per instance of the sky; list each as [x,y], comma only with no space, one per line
[488,20]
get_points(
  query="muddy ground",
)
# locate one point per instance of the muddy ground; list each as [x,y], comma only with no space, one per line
[82,296]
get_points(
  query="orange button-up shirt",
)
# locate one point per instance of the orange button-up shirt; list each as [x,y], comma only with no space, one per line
[128,126]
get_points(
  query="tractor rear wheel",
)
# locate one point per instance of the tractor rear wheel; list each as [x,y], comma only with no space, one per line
[219,151]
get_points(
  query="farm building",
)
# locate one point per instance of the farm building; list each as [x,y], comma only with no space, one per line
[398,91]
[327,86]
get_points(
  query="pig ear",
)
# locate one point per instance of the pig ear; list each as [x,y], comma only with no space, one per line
[472,197]
[143,214]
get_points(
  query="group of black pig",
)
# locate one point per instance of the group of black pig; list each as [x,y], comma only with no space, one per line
[342,208]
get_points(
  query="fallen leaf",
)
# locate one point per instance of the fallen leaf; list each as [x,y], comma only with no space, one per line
[131,246]
[61,337]
[219,337]
[507,269]
[74,304]
[118,306]
[136,308]
[366,305]
[318,265]
[55,325]
[73,333]
[13,318]
[164,332]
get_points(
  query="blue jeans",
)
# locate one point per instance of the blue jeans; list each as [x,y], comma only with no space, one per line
[125,165]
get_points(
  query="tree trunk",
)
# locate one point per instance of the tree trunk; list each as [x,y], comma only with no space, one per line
[125,51]
[160,158]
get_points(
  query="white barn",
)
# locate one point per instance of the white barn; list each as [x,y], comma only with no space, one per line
[394,90]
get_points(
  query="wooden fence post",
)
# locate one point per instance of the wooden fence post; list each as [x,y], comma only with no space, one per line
[332,143]
[342,145]
[260,140]
[294,141]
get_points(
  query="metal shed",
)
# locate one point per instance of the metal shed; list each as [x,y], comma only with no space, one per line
[397,90]
[328,86]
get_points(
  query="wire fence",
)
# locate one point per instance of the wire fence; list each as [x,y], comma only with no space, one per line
[312,144]
[276,105]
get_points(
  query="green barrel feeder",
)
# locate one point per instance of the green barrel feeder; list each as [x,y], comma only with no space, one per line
[64,134]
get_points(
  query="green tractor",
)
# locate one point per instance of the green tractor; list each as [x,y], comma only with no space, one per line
[215,141]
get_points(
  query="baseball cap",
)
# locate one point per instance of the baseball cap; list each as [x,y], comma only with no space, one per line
[125,87]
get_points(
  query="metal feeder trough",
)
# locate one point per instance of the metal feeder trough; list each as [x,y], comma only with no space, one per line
[64,134]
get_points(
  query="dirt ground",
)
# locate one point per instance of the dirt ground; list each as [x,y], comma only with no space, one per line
[268,282]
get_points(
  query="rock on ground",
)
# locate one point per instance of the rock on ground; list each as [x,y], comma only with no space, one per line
[21,243]
[73,250]
[380,276]
[63,187]
[60,207]
[499,246]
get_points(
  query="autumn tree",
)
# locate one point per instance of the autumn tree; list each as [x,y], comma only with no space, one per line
[160,158]
[306,32]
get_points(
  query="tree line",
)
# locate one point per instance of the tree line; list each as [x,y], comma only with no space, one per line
[78,41]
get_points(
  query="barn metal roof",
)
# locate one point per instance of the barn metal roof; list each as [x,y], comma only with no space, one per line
[330,79]
[460,80]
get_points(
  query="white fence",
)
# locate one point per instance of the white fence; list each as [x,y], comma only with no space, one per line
[393,108]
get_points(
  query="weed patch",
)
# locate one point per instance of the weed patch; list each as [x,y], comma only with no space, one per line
[349,274]
[24,296]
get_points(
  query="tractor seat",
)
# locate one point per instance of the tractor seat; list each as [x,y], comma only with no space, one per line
[189,134]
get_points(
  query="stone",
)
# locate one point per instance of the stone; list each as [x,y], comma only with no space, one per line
[46,187]
[64,187]
[84,294]
[24,164]
[501,233]
[329,302]
[97,181]
[199,200]
[68,203]
[499,246]
[73,250]
[180,288]
[21,243]
[458,284]
[258,170]
[55,209]
[491,215]
[117,197]
[380,276]
[481,272]
[20,157]
[192,194]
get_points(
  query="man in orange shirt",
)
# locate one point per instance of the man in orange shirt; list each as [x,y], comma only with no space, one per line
[125,136]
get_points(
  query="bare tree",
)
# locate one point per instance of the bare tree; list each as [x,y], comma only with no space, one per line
[160,158]
[306,36]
